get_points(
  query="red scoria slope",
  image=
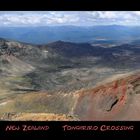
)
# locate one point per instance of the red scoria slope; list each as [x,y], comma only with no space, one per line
[117,100]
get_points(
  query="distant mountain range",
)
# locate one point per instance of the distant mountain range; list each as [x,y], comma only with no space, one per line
[47,34]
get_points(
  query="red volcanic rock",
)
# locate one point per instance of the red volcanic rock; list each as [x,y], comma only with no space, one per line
[110,101]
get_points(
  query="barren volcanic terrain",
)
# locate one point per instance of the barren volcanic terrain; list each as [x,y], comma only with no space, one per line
[69,81]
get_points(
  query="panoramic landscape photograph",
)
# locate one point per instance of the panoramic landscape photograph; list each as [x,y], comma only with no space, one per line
[69,65]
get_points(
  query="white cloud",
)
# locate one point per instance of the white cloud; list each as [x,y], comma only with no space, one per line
[80,18]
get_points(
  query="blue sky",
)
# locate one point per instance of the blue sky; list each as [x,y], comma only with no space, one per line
[76,18]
